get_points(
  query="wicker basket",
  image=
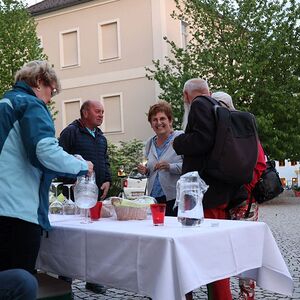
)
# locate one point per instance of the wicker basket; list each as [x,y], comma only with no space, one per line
[125,213]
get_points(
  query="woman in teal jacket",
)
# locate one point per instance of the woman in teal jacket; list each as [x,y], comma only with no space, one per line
[30,158]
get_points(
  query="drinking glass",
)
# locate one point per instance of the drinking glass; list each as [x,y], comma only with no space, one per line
[69,206]
[158,211]
[56,206]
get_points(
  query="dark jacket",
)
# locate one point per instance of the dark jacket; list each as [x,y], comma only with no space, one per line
[75,139]
[195,145]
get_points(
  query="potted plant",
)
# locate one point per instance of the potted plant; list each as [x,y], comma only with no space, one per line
[296,191]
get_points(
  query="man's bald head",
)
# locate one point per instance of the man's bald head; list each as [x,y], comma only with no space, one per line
[91,113]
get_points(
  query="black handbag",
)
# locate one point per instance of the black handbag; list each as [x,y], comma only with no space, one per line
[269,185]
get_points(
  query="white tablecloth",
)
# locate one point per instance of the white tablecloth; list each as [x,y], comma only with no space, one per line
[163,262]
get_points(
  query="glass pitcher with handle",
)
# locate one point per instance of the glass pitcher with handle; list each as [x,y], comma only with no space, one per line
[190,189]
[86,193]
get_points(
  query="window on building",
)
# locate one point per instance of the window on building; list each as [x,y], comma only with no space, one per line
[293,162]
[71,111]
[69,48]
[281,163]
[113,114]
[109,40]
[184,34]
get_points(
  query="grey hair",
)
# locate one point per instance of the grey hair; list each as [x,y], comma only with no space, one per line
[224,99]
[196,84]
[34,70]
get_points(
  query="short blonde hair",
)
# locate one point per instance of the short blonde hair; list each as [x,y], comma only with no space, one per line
[34,70]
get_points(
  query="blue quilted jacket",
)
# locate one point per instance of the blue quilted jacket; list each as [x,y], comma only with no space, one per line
[75,139]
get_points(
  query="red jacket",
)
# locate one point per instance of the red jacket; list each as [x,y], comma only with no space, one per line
[258,170]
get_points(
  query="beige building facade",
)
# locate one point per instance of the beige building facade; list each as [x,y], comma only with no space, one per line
[99,50]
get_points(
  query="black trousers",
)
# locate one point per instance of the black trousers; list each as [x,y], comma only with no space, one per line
[19,244]
[169,207]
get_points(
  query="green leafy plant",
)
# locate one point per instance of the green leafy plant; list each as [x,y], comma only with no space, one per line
[247,49]
[126,154]
[19,43]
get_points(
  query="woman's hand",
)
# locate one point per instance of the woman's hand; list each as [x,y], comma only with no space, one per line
[163,165]
[142,169]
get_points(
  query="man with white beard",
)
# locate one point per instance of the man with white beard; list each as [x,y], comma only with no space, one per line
[187,108]
[195,146]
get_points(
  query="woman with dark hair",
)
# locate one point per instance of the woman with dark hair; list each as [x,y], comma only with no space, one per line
[163,166]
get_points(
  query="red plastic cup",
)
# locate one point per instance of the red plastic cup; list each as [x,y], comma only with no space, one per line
[95,211]
[158,211]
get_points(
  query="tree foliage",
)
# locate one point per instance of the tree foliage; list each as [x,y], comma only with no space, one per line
[19,43]
[126,154]
[250,49]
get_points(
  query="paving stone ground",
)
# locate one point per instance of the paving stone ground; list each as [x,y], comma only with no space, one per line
[281,214]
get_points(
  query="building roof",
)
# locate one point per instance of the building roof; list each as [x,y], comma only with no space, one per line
[52,5]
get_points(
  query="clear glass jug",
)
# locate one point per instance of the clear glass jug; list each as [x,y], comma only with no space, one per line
[189,194]
[86,191]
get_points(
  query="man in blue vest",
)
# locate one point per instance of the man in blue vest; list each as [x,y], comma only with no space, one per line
[84,137]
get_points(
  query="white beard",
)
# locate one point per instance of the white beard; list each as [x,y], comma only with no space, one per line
[187,108]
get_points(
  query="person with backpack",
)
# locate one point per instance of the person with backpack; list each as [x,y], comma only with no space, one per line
[196,144]
[248,209]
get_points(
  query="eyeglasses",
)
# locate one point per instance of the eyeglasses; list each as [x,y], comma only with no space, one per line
[54,92]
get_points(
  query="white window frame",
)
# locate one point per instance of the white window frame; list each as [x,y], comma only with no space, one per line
[120,94]
[61,48]
[63,109]
[100,53]
[181,33]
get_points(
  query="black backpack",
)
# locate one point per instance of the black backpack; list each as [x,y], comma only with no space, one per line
[235,150]
[269,185]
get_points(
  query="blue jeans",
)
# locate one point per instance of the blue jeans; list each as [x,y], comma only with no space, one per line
[17,284]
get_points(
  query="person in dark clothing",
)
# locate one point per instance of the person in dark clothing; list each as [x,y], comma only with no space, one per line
[195,145]
[246,285]
[83,137]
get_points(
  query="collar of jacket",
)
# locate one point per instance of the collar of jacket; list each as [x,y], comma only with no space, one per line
[83,128]
[24,87]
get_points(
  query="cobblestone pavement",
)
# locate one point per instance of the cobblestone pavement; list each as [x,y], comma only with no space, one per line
[281,214]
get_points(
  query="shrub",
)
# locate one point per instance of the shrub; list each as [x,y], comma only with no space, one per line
[126,154]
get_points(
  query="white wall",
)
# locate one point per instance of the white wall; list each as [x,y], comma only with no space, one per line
[288,172]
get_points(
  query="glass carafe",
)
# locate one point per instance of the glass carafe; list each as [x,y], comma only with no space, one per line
[86,193]
[190,190]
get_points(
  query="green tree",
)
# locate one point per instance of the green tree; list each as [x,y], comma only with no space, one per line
[126,154]
[250,49]
[18,43]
